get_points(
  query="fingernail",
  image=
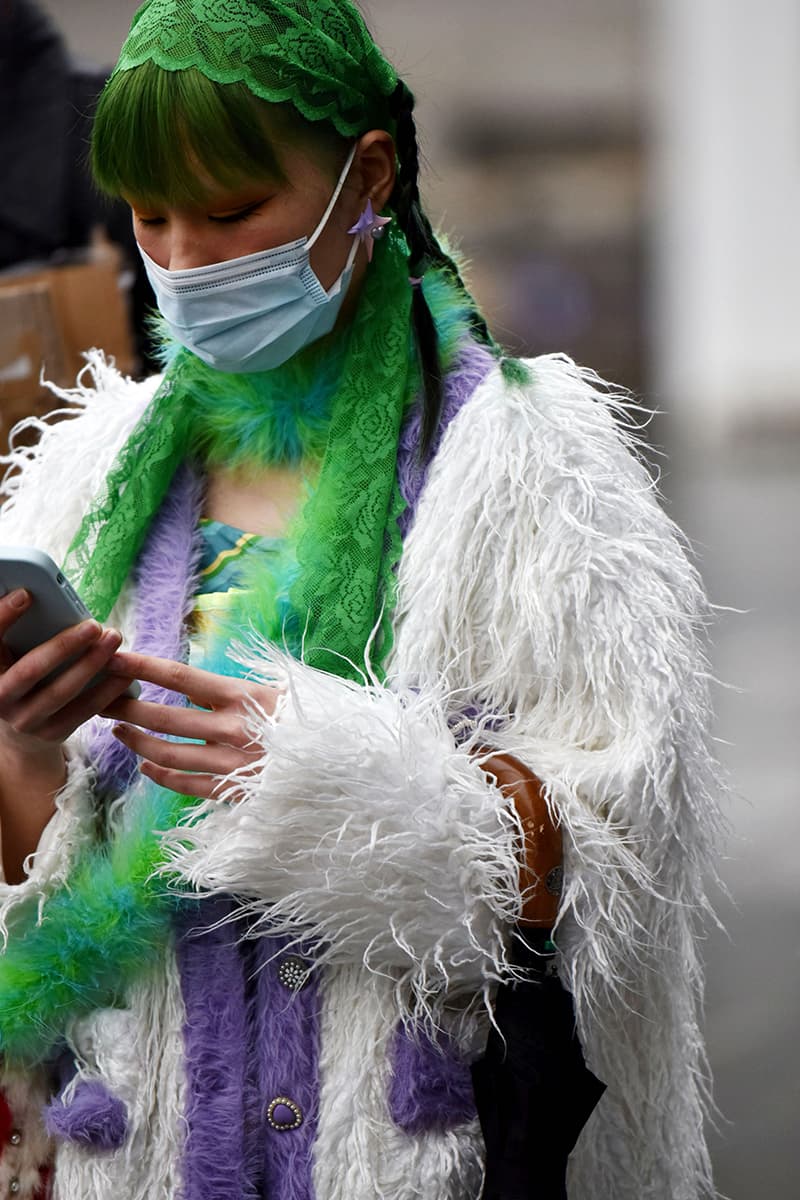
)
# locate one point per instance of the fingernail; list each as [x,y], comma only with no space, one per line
[19,598]
[90,627]
[119,731]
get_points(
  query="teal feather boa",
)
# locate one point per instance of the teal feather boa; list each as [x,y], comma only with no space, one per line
[118,926]
[245,422]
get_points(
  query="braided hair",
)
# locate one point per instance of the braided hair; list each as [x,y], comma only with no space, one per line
[424,251]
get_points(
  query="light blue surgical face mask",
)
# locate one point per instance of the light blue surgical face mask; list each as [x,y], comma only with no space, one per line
[253,313]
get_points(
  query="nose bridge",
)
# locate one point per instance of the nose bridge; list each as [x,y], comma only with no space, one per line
[187,245]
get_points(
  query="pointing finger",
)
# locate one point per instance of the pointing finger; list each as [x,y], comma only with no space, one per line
[201,687]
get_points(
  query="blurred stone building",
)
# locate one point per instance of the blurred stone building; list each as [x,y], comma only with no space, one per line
[624,176]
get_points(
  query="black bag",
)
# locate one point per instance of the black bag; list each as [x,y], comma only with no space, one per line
[533,1090]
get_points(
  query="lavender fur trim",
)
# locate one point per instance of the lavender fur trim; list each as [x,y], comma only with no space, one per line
[165,578]
[216,1054]
[94,1117]
[431,1087]
[473,365]
[287,1061]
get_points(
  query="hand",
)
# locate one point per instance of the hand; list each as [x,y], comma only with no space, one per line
[37,716]
[219,724]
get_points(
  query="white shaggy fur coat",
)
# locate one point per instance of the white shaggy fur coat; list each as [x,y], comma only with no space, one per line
[543,586]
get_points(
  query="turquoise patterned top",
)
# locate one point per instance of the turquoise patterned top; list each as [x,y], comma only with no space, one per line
[224,552]
[227,555]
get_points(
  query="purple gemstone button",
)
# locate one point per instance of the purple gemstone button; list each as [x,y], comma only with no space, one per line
[283,1114]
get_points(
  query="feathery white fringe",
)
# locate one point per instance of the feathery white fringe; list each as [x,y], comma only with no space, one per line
[137,1052]
[359,1153]
[365,827]
[68,829]
[562,600]
[48,487]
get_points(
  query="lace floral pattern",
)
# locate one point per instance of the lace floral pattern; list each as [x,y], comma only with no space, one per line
[112,533]
[351,545]
[315,54]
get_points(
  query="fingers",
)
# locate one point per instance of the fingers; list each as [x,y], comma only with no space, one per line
[90,702]
[12,606]
[32,710]
[212,759]
[204,787]
[201,687]
[30,670]
[227,727]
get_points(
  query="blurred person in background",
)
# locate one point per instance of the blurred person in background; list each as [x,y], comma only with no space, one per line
[49,205]
[419,783]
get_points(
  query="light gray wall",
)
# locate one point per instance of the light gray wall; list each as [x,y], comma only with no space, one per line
[725,200]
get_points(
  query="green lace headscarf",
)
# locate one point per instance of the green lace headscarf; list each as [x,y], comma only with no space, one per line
[316,54]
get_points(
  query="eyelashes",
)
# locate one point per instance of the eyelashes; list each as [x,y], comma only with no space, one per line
[236,218]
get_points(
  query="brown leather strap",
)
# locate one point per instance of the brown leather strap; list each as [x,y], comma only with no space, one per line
[541,870]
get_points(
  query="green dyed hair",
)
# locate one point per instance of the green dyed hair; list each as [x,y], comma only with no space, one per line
[157,132]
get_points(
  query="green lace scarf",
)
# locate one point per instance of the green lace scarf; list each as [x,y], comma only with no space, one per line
[347,543]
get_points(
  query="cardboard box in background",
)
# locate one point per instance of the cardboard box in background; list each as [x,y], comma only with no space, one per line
[48,318]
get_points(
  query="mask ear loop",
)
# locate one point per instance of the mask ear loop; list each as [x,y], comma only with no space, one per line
[337,193]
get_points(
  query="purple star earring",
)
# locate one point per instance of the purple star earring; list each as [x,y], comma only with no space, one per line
[369,228]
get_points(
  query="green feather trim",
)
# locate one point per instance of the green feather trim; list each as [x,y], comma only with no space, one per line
[111,923]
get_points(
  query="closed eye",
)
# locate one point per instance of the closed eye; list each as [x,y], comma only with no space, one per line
[241,215]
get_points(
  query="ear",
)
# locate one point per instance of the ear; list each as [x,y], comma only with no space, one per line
[377,164]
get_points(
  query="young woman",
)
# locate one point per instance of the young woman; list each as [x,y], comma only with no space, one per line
[410,624]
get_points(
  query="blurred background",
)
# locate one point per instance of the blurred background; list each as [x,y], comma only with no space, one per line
[624,178]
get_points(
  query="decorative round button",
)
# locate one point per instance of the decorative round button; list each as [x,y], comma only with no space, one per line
[554,882]
[293,972]
[283,1114]
[15,1137]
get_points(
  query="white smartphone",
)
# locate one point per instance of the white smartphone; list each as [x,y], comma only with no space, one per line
[55,603]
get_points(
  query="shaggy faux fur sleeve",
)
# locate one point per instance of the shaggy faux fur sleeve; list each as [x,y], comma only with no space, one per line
[368,830]
[70,826]
[544,583]
[46,491]
[49,486]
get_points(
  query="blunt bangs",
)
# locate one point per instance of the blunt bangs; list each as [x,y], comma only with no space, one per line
[158,133]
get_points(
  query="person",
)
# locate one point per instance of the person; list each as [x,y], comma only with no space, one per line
[421,750]
[49,208]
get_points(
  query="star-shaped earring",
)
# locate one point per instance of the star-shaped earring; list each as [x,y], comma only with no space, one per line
[369,228]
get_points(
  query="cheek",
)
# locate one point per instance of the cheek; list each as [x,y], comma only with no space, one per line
[155,246]
[329,255]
